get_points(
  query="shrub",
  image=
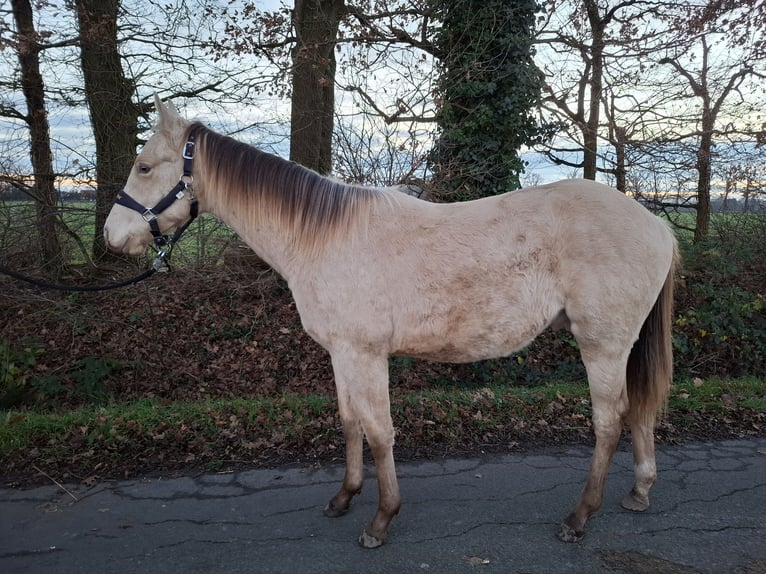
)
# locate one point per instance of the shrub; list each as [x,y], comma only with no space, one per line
[721,310]
[22,385]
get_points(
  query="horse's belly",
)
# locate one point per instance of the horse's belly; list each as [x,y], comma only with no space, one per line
[486,325]
[464,348]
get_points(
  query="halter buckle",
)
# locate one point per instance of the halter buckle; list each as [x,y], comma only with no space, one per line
[188,152]
[149,216]
[159,261]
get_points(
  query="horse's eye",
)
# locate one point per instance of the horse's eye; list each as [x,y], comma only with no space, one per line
[144,169]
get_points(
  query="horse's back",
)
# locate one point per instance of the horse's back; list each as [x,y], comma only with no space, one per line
[473,280]
[579,222]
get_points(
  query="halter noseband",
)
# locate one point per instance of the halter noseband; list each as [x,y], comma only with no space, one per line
[162,242]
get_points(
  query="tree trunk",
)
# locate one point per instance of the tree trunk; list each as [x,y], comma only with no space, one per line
[40,148]
[704,173]
[114,116]
[313,99]
[620,170]
[590,129]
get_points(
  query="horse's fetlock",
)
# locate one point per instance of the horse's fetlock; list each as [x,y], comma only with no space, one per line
[332,511]
[390,508]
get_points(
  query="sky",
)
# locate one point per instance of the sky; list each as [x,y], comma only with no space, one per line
[264,123]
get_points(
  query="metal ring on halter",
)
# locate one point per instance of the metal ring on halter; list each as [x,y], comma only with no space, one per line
[149,215]
[188,152]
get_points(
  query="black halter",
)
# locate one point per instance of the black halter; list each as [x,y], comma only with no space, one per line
[184,186]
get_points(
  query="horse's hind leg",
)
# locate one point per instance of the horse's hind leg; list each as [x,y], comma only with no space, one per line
[644,465]
[606,378]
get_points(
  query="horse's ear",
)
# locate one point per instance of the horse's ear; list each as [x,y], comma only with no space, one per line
[169,117]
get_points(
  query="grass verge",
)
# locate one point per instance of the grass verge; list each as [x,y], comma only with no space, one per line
[147,436]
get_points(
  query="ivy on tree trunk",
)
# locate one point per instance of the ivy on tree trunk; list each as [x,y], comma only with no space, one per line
[488,84]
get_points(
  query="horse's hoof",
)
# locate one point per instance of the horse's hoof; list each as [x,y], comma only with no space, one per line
[634,502]
[569,534]
[368,541]
[333,512]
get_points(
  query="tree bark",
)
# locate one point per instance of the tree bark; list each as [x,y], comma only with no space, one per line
[40,149]
[620,169]
[704,176]
[316,25]
[114,116]
[590,129]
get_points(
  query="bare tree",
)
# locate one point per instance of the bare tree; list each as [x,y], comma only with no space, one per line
[114,116]
[313,87]
[623,72]
[712,96]
[591,52]
[309,44]
[43,190]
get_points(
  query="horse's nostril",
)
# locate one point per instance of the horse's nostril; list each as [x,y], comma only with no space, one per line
[106,239]
[109,245]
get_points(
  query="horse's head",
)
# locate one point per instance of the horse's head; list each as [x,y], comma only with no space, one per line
[129,228]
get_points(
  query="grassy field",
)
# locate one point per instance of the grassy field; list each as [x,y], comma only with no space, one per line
[203,244]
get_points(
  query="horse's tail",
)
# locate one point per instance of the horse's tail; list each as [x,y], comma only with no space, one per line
[650,364]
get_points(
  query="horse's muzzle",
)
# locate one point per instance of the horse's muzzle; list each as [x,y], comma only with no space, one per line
[124,247]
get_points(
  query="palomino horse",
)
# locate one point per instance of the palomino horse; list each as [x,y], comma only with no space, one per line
[376,273]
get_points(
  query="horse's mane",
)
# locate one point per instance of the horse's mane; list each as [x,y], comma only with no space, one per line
[259,186]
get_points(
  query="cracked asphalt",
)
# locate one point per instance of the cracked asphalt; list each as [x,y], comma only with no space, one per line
[486,514]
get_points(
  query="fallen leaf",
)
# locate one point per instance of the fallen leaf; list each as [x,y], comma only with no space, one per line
[473,560]
[12,420]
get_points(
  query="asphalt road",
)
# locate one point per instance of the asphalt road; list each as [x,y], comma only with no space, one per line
[487,514]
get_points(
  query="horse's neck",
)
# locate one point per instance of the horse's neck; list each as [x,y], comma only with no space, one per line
[267,242]
[295,215]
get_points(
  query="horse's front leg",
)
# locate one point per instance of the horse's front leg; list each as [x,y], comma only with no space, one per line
[354,477]
[362,383]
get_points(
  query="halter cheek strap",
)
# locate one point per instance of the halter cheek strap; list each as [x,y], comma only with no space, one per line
[183,186]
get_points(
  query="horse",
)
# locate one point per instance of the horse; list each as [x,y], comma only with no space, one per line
[376,273]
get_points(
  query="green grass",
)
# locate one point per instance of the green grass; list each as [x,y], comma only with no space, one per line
[213,432]
[716,395]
